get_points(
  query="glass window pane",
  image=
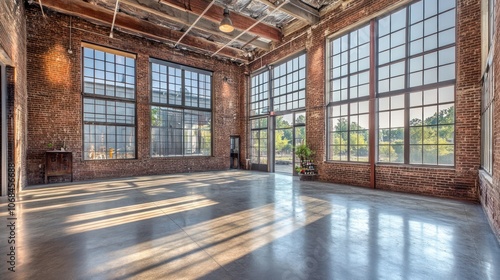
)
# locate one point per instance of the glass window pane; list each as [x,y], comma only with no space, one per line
[397,118]
[416,12]
[447,94]
[383,103]
[415,154]
[398,20]
[103,75]
[446,72]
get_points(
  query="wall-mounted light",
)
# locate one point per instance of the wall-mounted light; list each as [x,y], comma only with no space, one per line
[226,25]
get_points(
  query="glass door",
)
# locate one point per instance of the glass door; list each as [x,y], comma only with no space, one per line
[235,152]
[258,144]
[283,144]
[289,131]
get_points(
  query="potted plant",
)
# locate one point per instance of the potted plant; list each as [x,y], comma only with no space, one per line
[299,170]
[303,152]
[306,170]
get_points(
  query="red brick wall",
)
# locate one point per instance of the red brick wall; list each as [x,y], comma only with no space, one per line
[457,182]
[55,102]
[490,185]
[13,43]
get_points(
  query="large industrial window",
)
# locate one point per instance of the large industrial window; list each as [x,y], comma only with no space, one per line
[491,21]
[415,90]
[488,98]
[289,84]
[348,107]
[181,114]
[258,141]
[259,94]
[108,104]
[414,87]
[277,90]
[487,121]
[283,88]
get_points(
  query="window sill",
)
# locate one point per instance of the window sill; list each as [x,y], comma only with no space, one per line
[346,162]
[485,175]
[391,164]
[449,167]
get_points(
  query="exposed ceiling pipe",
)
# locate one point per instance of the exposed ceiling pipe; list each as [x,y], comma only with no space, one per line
[249,28]
[244,6]
[159,13]
[41,7]
[70,51]
[247,43]
[114,18]
[194,23]
[280,46]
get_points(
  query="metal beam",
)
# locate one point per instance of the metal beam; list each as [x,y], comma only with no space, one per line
[182,17]
[216,13]
[114,18]
[137,26]
[194,23]
[250,27]
[298,10]
[331,7]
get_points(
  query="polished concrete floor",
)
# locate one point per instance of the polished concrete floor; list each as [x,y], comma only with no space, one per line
[243,225]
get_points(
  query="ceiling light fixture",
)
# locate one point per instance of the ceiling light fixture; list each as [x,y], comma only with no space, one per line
[226,25]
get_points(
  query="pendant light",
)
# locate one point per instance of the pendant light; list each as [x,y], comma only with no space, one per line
[226,25]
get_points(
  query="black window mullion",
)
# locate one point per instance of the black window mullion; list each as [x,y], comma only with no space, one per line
[183,88]
[349,131]
[198,89]
[168,84]
[406,142]
[270,87]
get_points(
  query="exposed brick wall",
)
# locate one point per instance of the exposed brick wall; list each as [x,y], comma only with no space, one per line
[458,182]
[490,185]
[243,111]
[55,102]
[13,43]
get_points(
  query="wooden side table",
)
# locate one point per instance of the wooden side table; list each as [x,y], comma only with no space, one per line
[58,163]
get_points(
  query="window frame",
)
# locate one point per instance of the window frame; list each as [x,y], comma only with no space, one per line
[266,92]
[488,96]
[273,80]
[349,100]
[488,121]
[92,153]
[183,108]
[443,47]
[259,130]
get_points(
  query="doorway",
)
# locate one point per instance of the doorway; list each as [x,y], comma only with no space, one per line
[290,130]
[234,152]
[258,144]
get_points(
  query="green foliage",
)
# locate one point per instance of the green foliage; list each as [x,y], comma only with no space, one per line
[434,134]
[155,116]
[281,142]
[301,119]
[298,169]
[303,152]
[357,136]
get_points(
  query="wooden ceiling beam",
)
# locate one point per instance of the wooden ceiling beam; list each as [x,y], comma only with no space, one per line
[216,13]
[135,25]
[298,10]
[178,16]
